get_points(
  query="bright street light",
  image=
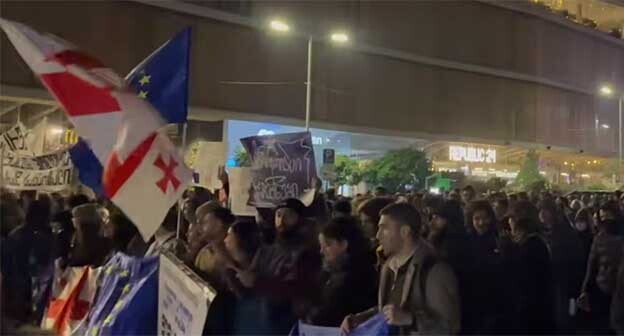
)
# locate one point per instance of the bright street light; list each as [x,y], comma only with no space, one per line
[606,90]
[279,26]
[55,130]
[605,126]
[339,37]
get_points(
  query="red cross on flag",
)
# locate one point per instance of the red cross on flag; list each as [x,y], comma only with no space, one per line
[143,175]
[73,291]
[147,183]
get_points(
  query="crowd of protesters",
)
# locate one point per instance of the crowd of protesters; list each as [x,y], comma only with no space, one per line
[456,263]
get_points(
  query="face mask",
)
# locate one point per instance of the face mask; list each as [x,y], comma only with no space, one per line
[581,225]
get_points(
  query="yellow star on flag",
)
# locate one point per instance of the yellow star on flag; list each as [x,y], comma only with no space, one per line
[142,94]
[145,80]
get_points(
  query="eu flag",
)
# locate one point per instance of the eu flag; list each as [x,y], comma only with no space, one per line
[162,78]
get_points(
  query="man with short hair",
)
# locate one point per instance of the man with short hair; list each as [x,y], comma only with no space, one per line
[468,194]
[417,293]
[206,237]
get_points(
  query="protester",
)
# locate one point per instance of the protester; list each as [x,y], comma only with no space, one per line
[63,227]
[194,200]
[213,222]
[207,238]
[424,301]
[89,247]
[567,260]
[447,234]
[242,243]
[485,310]
[468,194]
[165,237]
[285,275]
[30,245]
[342,208]
[501,207]
[123,235]
[349,282]
[368,213]
[601,273]
[527,262]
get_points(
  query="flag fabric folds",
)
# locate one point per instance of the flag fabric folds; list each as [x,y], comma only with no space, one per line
[90,169]
[127,302]
[375,326]
[161,79]
[73,292]
[121,128]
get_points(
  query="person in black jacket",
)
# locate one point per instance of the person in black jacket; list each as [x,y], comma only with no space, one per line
[567,259]
[484,312]
[349,281]
[527,262]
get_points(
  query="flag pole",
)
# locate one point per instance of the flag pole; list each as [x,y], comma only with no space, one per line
[184,127]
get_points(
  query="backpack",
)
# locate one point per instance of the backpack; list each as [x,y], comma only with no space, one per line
[426,266]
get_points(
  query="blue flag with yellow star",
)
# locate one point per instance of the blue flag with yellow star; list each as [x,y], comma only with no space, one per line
[162,78]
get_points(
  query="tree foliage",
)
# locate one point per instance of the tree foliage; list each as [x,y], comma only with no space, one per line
[348,170]
[242,158]
[398,169]
[529,178]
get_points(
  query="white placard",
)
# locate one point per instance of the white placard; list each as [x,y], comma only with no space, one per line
[183,299]
[210,157]
[240,182]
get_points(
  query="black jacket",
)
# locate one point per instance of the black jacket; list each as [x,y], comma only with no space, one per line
[348,288]
[483,303]
[530,287]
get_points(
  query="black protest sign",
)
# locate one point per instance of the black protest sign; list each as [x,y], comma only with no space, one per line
[14,139]
[282,167]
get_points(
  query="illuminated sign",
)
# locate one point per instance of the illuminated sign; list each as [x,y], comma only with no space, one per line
[472,154]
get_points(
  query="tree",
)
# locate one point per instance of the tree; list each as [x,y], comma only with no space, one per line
[529,177]
[398,169]
[348,170]
[242,158]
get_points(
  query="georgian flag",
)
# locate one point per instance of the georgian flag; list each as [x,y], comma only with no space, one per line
[143,175]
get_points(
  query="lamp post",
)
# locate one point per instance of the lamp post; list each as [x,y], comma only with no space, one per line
[608,91]
[282,27]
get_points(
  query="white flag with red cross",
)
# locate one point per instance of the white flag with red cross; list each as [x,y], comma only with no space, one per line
[73,292]
[121,128]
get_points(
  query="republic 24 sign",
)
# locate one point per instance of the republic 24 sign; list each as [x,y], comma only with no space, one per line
[472,154]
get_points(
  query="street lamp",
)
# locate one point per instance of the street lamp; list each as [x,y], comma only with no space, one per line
[279,26]
[336,37]
[608,91]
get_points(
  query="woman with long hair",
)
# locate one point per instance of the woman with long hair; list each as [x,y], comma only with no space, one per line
[349,283]
[527,262]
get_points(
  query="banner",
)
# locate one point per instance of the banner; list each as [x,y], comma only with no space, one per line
[14,139]
[127,298]
[240,182]
[183,298]
[51,172]
[282,167]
